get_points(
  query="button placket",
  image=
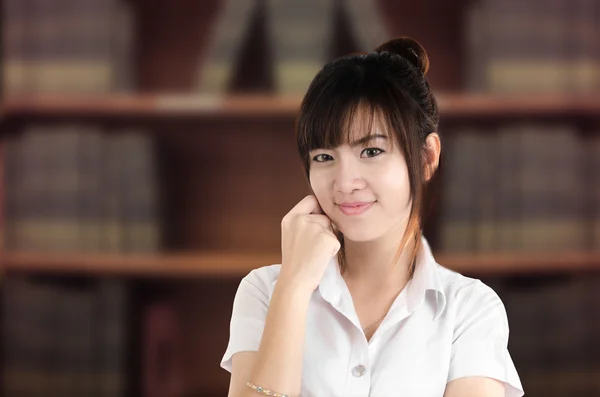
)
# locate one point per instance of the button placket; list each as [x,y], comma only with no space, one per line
[358,381]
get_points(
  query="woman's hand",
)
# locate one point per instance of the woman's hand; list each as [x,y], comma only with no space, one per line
[307,244]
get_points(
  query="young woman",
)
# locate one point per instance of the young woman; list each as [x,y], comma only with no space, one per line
[359,306]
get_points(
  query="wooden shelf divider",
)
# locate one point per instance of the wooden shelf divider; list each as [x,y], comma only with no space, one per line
[209,264]
[218,265]
[452,105]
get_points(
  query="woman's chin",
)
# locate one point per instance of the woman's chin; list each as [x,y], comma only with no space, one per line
[357,234]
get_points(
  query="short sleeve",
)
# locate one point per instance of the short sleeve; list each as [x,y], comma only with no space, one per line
[248,316]
[480,343]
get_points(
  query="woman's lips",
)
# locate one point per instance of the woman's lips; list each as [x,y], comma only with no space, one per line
[354,208]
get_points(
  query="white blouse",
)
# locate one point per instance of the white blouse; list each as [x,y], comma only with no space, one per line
[442,326]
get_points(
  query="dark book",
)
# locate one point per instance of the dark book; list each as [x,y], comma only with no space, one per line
[14,35]
[112,203]
[508,225]
[122,45]
[90,163]
[486,185]
[29,325]
[112,349]
[230,28]
[581,49]
[139,191]
[301,33]
[475,28]
[368,23]
[458,226]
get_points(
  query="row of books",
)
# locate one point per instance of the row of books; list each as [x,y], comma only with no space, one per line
[554,329]
[533,46]
[67,46]
[65,338]
[76,187]
[520,187]
[300,38]
[89,338]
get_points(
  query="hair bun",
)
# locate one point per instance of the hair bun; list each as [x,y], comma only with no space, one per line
[409,49]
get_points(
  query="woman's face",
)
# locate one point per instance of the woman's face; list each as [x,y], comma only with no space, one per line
[364,171]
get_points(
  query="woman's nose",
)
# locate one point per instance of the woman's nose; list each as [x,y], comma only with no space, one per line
[348,177]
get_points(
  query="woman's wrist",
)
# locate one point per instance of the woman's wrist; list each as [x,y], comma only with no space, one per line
[292,288]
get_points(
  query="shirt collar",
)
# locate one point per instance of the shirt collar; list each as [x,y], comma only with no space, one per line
[425,278]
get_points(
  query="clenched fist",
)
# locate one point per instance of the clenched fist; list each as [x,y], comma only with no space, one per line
[307,244]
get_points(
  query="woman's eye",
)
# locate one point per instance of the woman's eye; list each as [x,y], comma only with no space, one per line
[319,158]
[372,152]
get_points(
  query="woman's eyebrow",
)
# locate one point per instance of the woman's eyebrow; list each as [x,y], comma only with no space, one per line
[366,139]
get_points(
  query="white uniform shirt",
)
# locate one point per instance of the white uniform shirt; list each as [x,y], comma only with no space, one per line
[442,326]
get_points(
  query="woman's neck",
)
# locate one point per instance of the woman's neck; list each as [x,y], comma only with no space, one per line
[369,264]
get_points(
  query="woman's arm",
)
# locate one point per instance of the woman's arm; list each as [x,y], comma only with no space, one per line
[277,366]
[474,386]
[308,244]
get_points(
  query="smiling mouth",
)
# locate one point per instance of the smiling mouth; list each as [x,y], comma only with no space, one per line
[352,210]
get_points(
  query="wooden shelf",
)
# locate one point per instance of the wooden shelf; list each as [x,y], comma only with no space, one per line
[161,106]
[138,265]
[239,264]
[151,106]
[521,263]
[530,105]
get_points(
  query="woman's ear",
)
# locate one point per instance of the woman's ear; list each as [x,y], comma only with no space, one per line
[433,147]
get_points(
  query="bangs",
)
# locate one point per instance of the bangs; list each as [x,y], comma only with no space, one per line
[335,114]
[341,125]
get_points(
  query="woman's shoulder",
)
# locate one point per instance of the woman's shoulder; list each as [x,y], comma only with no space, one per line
[462,290]
[263,278]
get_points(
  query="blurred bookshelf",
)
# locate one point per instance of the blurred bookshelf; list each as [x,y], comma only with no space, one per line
[147,157]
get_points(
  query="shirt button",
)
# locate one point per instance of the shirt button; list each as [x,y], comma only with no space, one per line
[359,370]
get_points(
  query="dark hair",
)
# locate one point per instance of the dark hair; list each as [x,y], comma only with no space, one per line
[389,82]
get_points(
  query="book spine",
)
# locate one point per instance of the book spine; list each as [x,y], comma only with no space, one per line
[477,46]
[584,36]
[486,197]
[459,207]
[112,199]
[90,160]
[11,155]
[112,348]
[29,326]
[367,23]
[508,210]
[33,191]
[67,187]
[14,35]
[140,191]
[230,29]
[122,45]
[301,33]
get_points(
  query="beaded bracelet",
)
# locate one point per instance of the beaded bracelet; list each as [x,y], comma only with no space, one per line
[266,392]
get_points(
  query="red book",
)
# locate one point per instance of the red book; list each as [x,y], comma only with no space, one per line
[162,364]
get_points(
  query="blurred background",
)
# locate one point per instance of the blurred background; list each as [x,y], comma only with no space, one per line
[147,158]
